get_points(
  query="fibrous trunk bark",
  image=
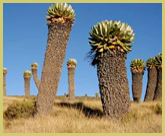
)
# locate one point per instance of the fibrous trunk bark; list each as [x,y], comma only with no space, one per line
[71,80]
[151,84]
[158,91]
[35,77]
[137,79]
[27,87]
[55,53]
[113,84]
[4,85]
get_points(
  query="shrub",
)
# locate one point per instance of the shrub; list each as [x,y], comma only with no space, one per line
[157,108]
[97,96]
[19,109]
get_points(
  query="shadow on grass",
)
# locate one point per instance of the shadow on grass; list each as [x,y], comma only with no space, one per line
[87,111]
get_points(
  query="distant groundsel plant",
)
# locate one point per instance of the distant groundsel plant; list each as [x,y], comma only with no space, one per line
[27,77]
[4,81]
[4,70]
[159,60]
[137,69]
[110,42]
[72,63]
[34,69]
[158,90]
[60,20]
[152,79]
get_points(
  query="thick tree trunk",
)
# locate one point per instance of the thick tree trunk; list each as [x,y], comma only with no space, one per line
[137,79]
[55,53]
[27,87]
[113,84]
[4,85]
[151,84]
[35,77]
[158,91]
[71,80]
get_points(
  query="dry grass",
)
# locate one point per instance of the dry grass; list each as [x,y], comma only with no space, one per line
[86,117]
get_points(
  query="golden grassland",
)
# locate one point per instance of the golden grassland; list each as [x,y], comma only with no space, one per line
[85,116]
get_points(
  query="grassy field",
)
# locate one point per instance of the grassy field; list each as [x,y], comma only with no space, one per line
[85,116]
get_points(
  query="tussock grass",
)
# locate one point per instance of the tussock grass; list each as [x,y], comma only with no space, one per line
[85,116]
[157,108]
[19,109]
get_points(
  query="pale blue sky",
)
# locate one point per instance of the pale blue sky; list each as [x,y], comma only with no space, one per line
[25,37]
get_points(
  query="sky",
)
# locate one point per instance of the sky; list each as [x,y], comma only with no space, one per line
[25,38]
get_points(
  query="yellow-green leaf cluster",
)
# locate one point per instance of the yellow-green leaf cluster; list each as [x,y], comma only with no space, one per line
[4,70]
[34,65]
[151,62]
[137,63]
[109,35]
[72,62]
[159,59]
[27,74]
[61,10]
